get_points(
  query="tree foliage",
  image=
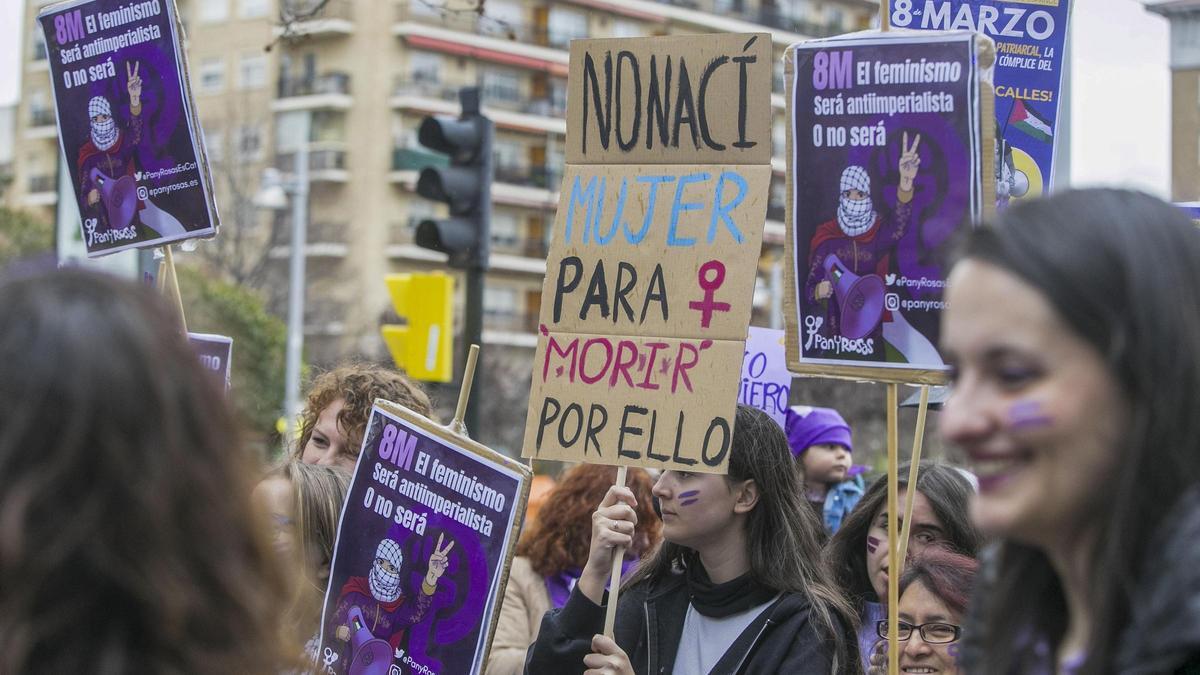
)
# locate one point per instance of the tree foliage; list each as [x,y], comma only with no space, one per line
[23,235]
[259,345]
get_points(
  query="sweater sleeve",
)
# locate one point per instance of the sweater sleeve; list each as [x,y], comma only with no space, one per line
[565,636]
[513,632]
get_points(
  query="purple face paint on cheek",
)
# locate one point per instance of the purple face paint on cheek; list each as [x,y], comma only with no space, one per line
[873,544]
[1026,415]
[688,498]
[952,652]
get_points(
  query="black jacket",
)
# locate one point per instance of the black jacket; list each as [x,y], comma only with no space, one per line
[649,627]
[1163,635]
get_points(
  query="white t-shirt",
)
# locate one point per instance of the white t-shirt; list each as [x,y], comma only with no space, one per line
[705,639]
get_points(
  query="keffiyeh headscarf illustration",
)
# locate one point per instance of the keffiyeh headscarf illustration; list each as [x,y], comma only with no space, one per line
[855,216]
[104,134]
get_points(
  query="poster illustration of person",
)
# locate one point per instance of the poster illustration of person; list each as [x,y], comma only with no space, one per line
[127,124]
[422,553]
[886,168]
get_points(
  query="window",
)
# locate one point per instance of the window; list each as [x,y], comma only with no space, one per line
[507,154]
[624,28]
[505,231]
[566,25]
[426,67]
[212,11]
[214,143]
[212,74]
[252,71]
[499,300]
[249,143]
[251,9]
[288,127]
[39,46]
[502,17]
[501,85]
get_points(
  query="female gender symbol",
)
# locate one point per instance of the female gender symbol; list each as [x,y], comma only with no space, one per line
[707,306]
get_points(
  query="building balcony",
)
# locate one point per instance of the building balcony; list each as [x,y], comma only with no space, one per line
[42,124]
[541,116]
[331,90]
[773,17]
[511,322]
[776,210]
[324,166]
[322,240]
[528,176]
[467,34]
[334,19]
[41,190]
[470,22]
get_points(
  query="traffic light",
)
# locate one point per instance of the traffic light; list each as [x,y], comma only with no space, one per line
[465,185]
[423,348]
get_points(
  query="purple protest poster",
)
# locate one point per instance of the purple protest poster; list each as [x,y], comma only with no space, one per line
[424,545]
[766,383]
[127,124]
[1030,41]
[215,353]
[885,170]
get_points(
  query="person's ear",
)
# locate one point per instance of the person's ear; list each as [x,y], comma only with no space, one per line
[747,497]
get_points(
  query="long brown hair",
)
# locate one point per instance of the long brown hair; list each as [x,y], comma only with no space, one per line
[318,493]
[783,535]
[560,538]
[127,538]
[1119,267]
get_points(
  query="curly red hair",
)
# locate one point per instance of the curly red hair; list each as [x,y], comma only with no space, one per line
[358,384]
[560,538]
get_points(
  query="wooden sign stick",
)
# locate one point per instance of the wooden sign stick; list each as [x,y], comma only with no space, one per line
[893,587]
[464,393]
[614,581]
[171,286]
[885,18]
[918,440]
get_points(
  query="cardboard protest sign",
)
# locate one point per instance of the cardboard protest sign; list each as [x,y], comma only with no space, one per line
[633,246]
[885,166]
[127,124]
[654,252]
[1030,38]
[766,382]
[215,352]
[424,546]
[681,99]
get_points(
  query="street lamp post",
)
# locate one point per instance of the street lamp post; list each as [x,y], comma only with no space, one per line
[271,196]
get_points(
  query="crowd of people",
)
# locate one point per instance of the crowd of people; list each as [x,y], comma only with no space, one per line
[138,534]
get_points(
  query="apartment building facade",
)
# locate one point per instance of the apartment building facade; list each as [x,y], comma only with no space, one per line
[1184,16]
[361,74]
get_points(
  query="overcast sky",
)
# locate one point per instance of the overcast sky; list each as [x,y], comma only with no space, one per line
[1120,98]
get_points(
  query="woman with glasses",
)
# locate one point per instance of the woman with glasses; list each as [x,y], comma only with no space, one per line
[857,553]
[1071,330]
[934,590]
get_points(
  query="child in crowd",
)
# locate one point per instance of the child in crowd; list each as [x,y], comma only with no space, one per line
[304,503]
[857,554]
[339,404]
[735,587]
[128,538]
[552,554]
[820,441]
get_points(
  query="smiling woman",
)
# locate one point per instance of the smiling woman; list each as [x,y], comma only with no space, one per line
[1071,332]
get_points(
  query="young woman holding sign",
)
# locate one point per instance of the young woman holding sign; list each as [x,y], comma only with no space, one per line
[736,586]
[1072,330]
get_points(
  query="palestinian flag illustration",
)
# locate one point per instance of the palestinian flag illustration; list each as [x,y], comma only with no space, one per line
[1025,118]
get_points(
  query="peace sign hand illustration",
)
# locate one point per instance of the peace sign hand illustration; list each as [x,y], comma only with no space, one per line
[910,161]
[133,83]
[438,561]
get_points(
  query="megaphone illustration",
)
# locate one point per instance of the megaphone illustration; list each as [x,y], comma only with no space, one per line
[860,297]
[119,196]
[369,654]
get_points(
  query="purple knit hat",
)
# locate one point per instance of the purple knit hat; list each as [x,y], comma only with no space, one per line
[806,426]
